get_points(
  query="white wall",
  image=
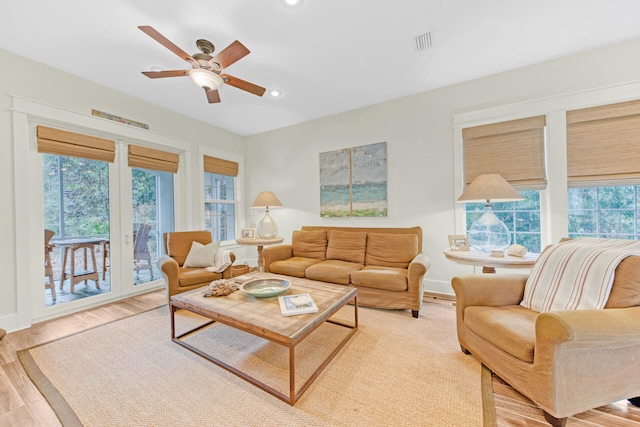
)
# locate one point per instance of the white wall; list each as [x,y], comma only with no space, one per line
[22,77]
[418,132]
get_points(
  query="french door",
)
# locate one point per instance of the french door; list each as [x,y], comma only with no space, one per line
[107,221]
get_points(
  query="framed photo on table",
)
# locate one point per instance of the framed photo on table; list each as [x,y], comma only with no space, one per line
[248,233]
[458,242]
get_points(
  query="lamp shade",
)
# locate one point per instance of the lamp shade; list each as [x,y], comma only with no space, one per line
[266,199]
[489,187]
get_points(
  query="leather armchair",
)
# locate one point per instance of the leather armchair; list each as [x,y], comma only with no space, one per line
[566,362]
[178,278]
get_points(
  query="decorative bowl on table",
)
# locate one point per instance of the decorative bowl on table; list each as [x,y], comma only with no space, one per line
[263,288]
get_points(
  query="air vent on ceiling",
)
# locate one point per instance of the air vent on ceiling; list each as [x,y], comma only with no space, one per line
[423,42]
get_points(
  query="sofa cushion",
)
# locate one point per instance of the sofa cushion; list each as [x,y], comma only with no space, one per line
[201,255]
[387,278]
[294,266]
[511,328]
[625,291]
[194,276]
[179,243]
[333,271]
[391,250]
[347,246]
[310,244]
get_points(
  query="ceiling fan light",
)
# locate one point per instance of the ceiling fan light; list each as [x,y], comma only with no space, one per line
[292,3]
[206,79]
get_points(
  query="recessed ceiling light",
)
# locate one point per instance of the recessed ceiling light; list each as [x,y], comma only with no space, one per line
[292,3]
[275,93]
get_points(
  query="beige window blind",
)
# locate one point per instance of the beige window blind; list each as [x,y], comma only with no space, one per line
[220,166]
[513,149]
[149,158]
[65,143]
[603,145]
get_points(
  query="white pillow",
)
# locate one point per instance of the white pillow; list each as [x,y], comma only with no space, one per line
[201,255]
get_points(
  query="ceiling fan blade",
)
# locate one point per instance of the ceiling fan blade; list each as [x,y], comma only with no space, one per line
[151,32]
[212,96]
[168,73]
[230,54]
[244,85]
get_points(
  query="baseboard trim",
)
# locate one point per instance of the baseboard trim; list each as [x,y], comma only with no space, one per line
[437,295]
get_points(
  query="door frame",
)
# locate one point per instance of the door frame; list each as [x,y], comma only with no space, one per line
[29,222]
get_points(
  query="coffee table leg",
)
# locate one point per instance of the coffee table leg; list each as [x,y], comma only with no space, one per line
[292,374]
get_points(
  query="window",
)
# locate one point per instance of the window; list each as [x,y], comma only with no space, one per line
[604,212]
[514,149]
[220,206]
[521,217]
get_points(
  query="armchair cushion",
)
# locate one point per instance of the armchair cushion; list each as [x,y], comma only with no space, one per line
[194,276]
[626,284]
[511,328]
[201,255]
[178,244]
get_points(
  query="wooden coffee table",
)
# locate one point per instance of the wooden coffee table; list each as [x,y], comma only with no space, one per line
[262,317]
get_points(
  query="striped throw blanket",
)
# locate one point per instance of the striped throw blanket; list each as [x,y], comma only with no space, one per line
[576,274]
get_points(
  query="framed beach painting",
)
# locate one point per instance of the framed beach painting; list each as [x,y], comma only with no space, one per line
[353,182]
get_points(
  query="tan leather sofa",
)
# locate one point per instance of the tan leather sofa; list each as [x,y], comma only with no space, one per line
[385,264]
[565,361]
[178,278]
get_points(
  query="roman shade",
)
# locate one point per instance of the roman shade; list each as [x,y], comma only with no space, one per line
[65,143]
[220,166]
[603,145]
[149,158]
[513,149]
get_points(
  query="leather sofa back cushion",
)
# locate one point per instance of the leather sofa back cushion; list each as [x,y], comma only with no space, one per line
[625,291]
[391,250]
[179,243]
[310,244]
[347,246]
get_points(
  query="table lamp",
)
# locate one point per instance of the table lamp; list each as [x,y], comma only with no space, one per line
[488,233]
[267,228]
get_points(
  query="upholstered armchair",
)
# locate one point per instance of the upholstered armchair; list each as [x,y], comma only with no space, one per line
[565,361]
[177,245]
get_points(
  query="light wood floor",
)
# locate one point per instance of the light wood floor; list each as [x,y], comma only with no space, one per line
[22,405]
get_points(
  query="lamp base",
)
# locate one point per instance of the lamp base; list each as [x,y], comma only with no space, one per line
[267,228]
[488,233]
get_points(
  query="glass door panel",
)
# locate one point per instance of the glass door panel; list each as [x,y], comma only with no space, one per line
[152,216]
[76,219]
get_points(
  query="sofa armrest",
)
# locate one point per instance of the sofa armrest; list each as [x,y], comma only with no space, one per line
[276,253]
[580,351]
[489,289]
[415,288]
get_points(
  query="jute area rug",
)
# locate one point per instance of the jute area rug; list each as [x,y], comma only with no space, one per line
[395,371]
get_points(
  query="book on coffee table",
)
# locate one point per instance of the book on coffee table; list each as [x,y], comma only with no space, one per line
[290,305]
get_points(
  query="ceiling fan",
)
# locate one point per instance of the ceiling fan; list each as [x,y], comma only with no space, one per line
[205,69]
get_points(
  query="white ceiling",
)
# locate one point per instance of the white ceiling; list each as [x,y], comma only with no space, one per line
[327,56]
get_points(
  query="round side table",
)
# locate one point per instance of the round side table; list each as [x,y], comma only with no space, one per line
[260,243]
[489,263]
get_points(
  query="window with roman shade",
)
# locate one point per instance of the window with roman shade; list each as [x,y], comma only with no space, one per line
[220,166]
[219,197]
[71,144]
[603,145]
[513,149]
[149,158]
